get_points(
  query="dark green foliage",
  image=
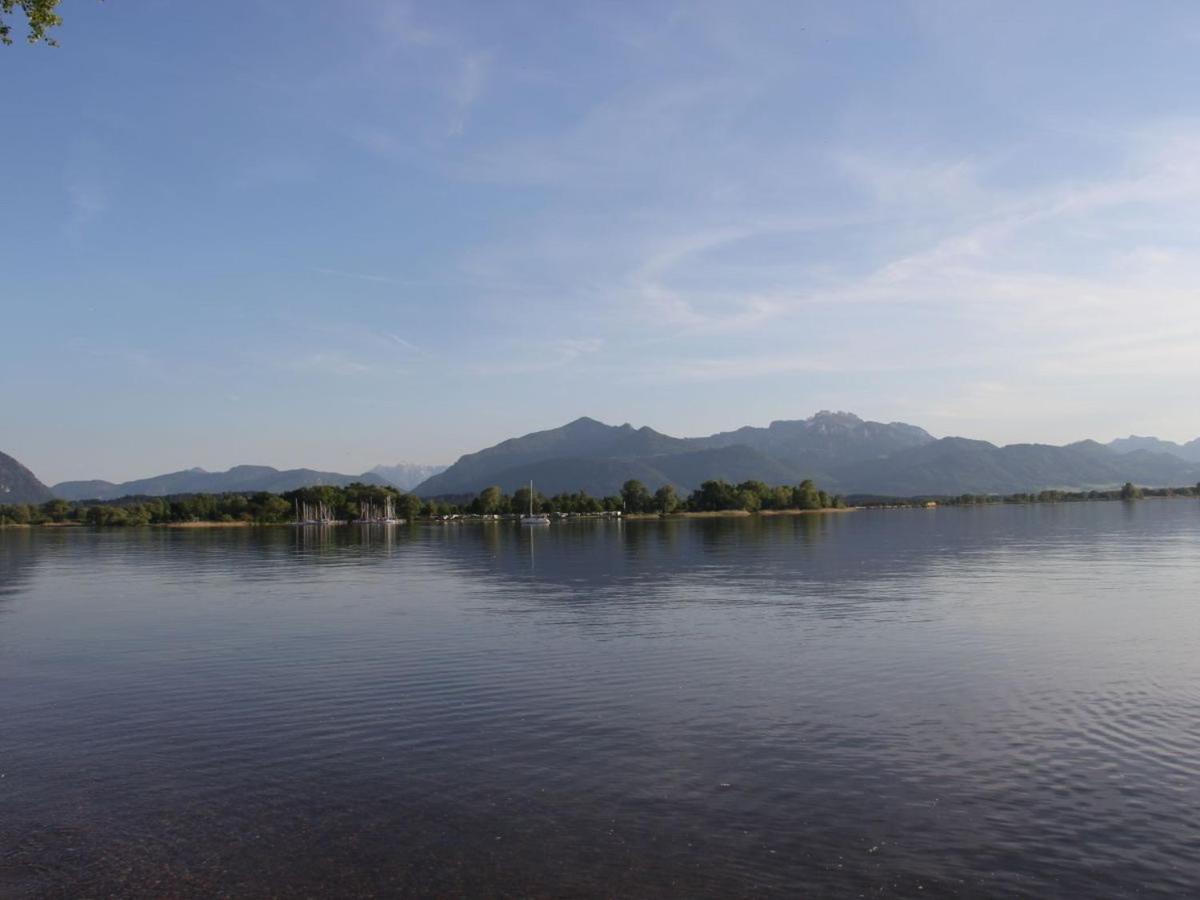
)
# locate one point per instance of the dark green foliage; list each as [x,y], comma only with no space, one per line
[260,507]
[806,496]
[712,496]
[39,16]
[489,502]
[637,499]
[666,501]
[519,503]
[409,507]
[715,495]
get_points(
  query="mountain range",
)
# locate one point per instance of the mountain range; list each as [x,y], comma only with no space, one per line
[198,481]
[407,476]
[840,451]
[1189,451]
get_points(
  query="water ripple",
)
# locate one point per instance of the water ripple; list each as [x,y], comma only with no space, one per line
[958,703]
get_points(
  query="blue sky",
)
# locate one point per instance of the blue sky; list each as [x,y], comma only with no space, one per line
[338,234]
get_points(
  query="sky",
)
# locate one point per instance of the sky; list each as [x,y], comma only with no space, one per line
[333,235]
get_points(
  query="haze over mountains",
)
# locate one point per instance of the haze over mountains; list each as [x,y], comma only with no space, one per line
[838,450]
[407,476]
[1189,451]
[198,481]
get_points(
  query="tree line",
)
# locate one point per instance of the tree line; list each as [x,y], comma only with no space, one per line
[261,507]
[344,504]
[1128,491]
[636,498]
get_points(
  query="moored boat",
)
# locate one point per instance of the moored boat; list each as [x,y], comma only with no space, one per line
[532,518]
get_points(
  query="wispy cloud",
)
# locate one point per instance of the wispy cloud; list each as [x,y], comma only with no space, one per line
[401,342]
[361,276]
[459,70]
[690,196]
[342,348]
[88,200]
[1046,275]
[329,363]
[466,89]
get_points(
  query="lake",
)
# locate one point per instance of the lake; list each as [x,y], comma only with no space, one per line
[956,702]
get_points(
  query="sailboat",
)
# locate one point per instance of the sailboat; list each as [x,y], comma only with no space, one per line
[531,519]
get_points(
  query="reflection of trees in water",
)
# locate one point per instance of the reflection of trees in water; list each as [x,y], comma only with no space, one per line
[830,552]
[253,553]
[568,554]
[758,552]
[368,541]
[19,551]
[600,552]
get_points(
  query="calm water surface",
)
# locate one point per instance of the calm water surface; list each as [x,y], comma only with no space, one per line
[993,702]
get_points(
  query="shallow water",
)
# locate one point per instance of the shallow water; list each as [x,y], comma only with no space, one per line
[956,702]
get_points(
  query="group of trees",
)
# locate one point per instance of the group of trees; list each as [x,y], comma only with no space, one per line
[344,503]
[753,496]
[635,497]
[261,507]
[1128,491]
[493,501]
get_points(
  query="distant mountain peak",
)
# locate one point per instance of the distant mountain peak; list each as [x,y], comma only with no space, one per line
[589,453]
[1089,446]
[586,427]
[1135,442]
[407,475]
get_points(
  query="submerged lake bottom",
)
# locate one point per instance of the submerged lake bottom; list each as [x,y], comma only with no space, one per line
[962,702]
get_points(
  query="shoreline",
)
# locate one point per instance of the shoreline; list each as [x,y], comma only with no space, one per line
[460,519]
[146,525]
[631,517]
[213,524]
[737,513]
